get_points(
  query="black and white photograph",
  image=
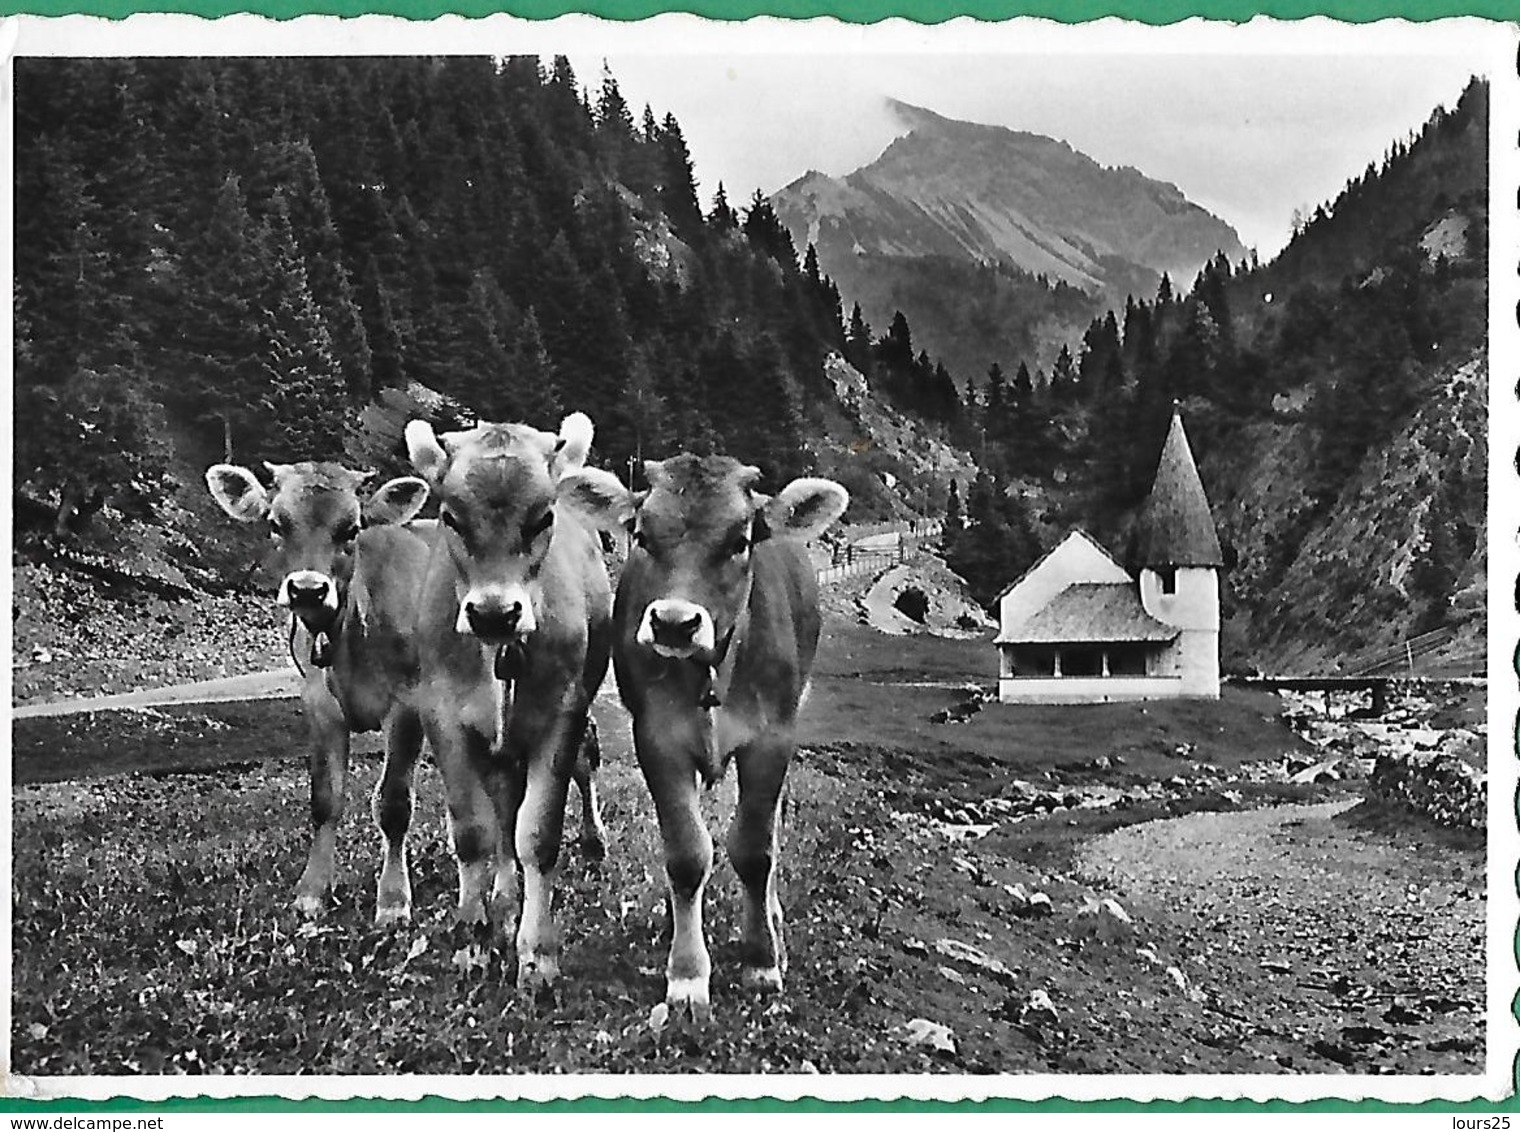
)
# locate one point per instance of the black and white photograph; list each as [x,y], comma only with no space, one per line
[690,559]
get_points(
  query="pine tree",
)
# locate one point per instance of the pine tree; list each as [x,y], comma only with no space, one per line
[304,398]
[387,363]
[1023,387]
[220,341]
[533,373]
[322,252]
[91,437]
[1063,378]
[722,216]
[678,185]
[895,350]
[644,410]
[616,137]
[857,343]
[997,541]
[996,418]
[810,269]
[954,518]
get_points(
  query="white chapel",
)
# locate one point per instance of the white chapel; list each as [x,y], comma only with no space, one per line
[1076,627]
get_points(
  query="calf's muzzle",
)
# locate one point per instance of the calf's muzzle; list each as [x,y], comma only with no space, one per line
[674,628]
[495,623]
[310,595]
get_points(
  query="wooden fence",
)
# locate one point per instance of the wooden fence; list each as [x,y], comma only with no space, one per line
[851,560]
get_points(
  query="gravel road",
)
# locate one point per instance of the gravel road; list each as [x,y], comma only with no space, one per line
[1340,944]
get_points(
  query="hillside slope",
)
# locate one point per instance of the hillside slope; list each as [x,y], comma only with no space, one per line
[1402,551]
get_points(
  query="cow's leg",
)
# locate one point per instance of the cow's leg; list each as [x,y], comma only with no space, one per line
[671,774]
[503,775]
[393,814]
[588,760]
[540,827]
[461,746]
[328,732]
[753,847]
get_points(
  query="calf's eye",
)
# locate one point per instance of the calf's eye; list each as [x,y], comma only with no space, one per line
[448,519]
[348,533]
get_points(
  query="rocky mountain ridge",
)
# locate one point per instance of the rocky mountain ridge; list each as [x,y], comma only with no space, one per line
[964,197]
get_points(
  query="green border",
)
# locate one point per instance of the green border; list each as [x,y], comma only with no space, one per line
[1153,12]
[852,11]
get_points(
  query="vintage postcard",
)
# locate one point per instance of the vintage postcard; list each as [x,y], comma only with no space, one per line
[579,559]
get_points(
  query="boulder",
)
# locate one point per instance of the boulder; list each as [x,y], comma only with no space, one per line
[1039,1010]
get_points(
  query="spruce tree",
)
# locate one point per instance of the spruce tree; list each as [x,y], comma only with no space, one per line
[304,398]
[322,252]
[722,216]
[220,340]
[857,343]
[678,185]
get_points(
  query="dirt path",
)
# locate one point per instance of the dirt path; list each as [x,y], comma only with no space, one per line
[1338,942]
[273,685]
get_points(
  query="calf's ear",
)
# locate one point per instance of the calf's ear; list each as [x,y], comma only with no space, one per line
[396,501]
[597,496]
[804,508]
[238,492]
[573,443]
[427,455]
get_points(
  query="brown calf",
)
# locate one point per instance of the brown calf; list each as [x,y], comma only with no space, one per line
[515,634]
[717,624]
[348,574]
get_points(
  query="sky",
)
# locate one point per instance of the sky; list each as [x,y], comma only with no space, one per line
[1248,135]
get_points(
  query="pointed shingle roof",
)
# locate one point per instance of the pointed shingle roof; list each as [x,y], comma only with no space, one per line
[1176,528]
[1090,613]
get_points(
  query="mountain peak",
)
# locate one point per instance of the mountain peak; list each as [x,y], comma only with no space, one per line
[992,194]
[915,117]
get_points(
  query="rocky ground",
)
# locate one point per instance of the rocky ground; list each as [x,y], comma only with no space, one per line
[1062,938]
[74,637]
[1427,750]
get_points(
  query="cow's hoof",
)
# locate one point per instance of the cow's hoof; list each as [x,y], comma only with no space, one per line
[310,906]
[766,980]
[473,915]
[536,973]
[392,915]
[688,998]
[593,848]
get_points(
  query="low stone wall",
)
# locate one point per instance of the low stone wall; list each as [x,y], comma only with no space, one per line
[1447,784]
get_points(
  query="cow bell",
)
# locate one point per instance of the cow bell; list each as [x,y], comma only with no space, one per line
[511,662]
[708,697]
[321,651]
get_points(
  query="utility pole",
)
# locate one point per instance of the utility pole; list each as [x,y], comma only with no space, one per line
[628,535]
